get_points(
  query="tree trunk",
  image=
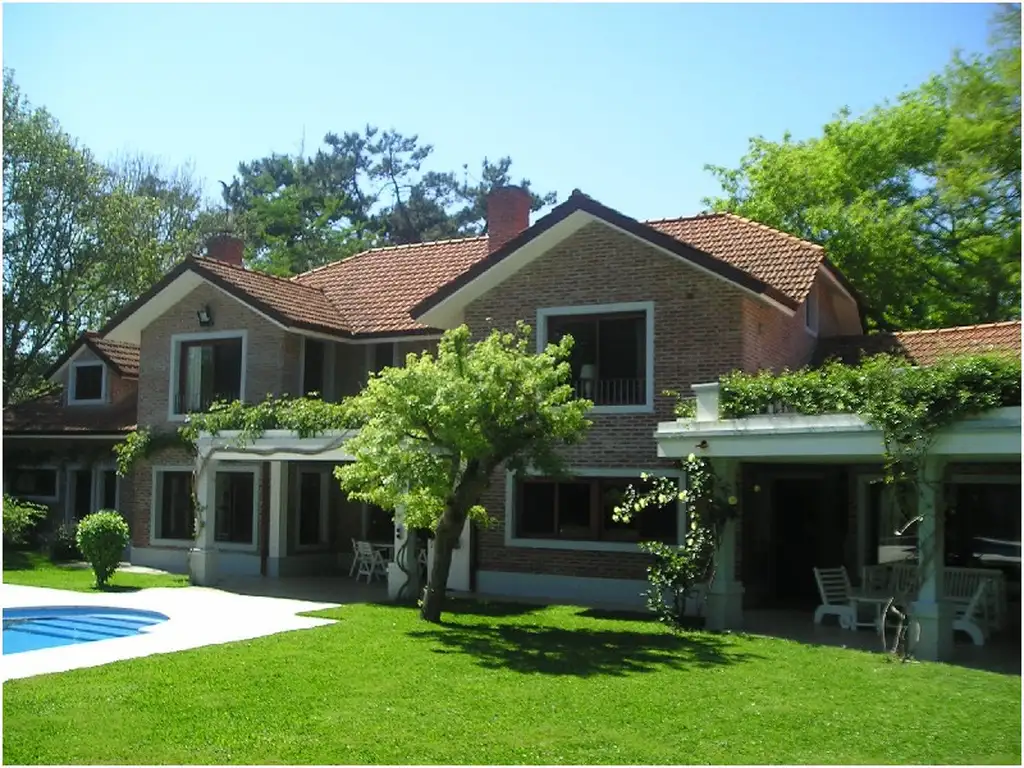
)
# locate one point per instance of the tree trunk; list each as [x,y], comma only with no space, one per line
[447,535]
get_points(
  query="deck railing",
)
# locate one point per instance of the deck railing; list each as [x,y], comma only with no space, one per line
[612,391]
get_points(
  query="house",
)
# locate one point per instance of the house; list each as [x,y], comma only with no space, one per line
[653,306]
[58,446]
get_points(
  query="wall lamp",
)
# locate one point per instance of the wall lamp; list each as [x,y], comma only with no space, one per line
[205,316]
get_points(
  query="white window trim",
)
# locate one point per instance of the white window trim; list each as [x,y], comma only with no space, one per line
[156,492]
[96,492]
[176,341]
[812,313]
[327,395]
[240,467]
[325,481]
[56,483]
[543,313]
[511,540]
[104,382]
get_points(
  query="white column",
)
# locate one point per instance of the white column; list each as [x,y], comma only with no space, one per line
[725,593]
[933,615]
[203,555]
[404,586]
[278,544]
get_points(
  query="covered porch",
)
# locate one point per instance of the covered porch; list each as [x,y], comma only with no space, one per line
[811,496]
[301,524]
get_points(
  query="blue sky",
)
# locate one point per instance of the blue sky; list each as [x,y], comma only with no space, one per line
[626,102]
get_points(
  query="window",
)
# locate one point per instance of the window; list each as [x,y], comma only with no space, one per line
[612,356]
[172,494]
[33,483]
[380,525]
[108,489]
[811,312]
[313,368]
[581,509]
[80,493]
[983,527]
[86,383]
[383,356]
[208,370]
[312,508]
[235,507]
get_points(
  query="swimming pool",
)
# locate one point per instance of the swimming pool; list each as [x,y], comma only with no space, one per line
[31,629]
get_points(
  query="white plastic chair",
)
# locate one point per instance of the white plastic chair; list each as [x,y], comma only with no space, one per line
[834,588]
[370,562]
[355,558]
[969,618]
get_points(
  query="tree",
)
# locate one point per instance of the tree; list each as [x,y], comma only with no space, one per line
[50,209]
[433,432]
[80,239]
[361,189]
[918,202]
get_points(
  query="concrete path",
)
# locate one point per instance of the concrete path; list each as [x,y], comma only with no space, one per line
[197,616]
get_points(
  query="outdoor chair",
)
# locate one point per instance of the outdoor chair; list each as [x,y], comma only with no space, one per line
[369,562]
[834,588]
[355,558]
[970,618]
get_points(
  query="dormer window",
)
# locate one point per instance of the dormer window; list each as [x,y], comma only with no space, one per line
[87,383]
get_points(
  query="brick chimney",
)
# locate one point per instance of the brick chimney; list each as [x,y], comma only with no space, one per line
[508,214]
[224,247]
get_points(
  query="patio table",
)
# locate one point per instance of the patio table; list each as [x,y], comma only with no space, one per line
[385,548]
[872,599]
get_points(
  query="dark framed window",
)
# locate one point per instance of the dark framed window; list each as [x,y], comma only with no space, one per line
[88,382]
[311,508]
[313,367]
[108,489]
[33,483]
[81,493]
[235,509]
[983,527]
[383,356]
[208,370]
[174,516]
[581,509]
[609,355]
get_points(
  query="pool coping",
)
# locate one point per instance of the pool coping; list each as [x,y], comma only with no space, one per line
[196,617]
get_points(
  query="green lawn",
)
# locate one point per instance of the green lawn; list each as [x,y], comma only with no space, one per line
[31,569]
[506,684]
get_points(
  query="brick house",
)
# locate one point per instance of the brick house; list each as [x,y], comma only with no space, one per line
[57,447]
[653,306]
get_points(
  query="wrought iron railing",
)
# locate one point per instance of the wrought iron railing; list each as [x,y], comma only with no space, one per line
[185,404]
[612,391]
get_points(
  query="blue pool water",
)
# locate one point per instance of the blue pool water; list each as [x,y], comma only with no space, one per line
[30,629]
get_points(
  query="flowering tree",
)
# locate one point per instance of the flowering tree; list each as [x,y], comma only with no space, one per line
[679,570]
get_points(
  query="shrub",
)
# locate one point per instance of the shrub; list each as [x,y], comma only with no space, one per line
[102,537]
[20,519]
[62,544]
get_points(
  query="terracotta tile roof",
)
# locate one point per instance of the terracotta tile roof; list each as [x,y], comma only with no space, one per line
[124,358]
[774,257]
[924,347]
[47,415]
[287,301]
[378,288]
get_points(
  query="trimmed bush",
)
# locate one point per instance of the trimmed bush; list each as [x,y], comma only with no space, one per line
[102,537]
[20,519]
[62,543]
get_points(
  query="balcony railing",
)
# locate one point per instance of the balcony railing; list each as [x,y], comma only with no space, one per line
[184,404]
[612,391]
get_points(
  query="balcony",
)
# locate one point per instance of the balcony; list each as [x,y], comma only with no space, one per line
[612,391]
[184,403]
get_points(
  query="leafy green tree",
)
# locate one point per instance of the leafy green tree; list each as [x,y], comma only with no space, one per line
[433,433]
[50,209]
[918,201]
[360,189]
[80,239]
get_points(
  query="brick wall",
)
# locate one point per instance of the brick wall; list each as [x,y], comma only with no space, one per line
[700,332]
[268,347]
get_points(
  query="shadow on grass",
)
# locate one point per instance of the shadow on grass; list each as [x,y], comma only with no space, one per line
[581,652]
[17,560]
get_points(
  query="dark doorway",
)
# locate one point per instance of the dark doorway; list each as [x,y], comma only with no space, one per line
[796,512]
